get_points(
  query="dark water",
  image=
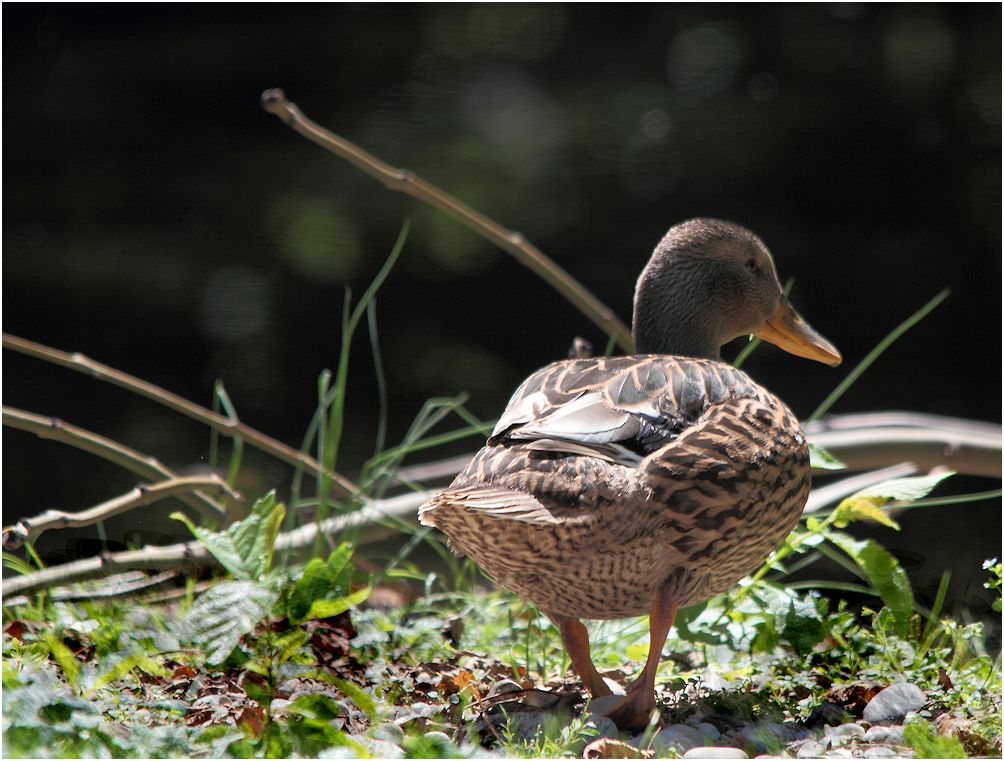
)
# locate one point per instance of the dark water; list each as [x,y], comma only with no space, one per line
[157,219]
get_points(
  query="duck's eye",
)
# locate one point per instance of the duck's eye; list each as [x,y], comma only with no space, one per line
[752,265]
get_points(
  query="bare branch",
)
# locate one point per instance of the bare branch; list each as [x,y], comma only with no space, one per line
[274,101]
[28,529]
[194,554]
[139,463]
[221,423]
[878,439]
[824,496]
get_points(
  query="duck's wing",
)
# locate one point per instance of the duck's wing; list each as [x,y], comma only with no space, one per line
[617,409]
[574,434]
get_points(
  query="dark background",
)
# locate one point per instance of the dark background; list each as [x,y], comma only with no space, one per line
[156,219]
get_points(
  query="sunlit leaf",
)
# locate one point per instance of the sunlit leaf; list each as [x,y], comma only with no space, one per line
[905,489]
[245,548]
[821,459]
[329,608]
[224,613]
[323,581]
[862,508]
[885,576]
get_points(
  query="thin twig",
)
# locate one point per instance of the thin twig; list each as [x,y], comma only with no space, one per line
[870,440]
[120,585]
[28,529]
[824,496]
[139,463]
[232,428]
[195,555]
[401,180]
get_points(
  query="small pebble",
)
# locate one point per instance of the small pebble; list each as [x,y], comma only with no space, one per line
[810,749]
[893,703]
[715,752]
[604,726]
[679,737]
[504,686]
[391,733]
[278,706]
[881,733]
[827,713]
[880,751]
[604,705]
[767,736]
[844,733]
[708,731]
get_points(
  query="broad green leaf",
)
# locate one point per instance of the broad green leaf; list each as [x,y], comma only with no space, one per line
[905,489]
[862,508]
[885,576]
[245,548]
[219,618]
[328,608]
[821,459]
[136,660]
[322,580]
[803,632]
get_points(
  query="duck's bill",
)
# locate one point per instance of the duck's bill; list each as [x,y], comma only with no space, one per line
[787,330]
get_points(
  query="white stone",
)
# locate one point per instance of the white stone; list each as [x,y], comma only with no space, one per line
[712,751]
[893,703]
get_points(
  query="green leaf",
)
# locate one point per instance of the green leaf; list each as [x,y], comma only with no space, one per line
[328,608]
[364,702]
[63,656]
[821,459]
[905,489]
[219,618]
[136,660]
[884,574]
[289,644]
[866,504]
[928,743]
[315,705]
[245,548]
[803,632]
[858,508]
[322,590]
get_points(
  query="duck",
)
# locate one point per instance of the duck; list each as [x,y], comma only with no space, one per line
[617,486]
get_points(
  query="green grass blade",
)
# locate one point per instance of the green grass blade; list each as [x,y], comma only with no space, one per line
[875,353]
[349,323]
[237,452]
[381,378]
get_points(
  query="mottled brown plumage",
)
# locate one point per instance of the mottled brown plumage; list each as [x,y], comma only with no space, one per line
[617,486]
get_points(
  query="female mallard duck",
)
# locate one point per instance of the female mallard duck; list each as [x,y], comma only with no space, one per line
[617,486]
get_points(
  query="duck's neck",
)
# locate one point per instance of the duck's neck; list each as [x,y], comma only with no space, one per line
[658,333]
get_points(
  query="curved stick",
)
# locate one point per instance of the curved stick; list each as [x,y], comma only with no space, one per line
[29,529]
[221,423]
[274,101]
[139,463]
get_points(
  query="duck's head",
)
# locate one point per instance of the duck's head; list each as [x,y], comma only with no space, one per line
[710,281]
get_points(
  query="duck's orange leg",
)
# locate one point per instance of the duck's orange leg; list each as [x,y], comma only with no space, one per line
[635,711]
[576,640]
